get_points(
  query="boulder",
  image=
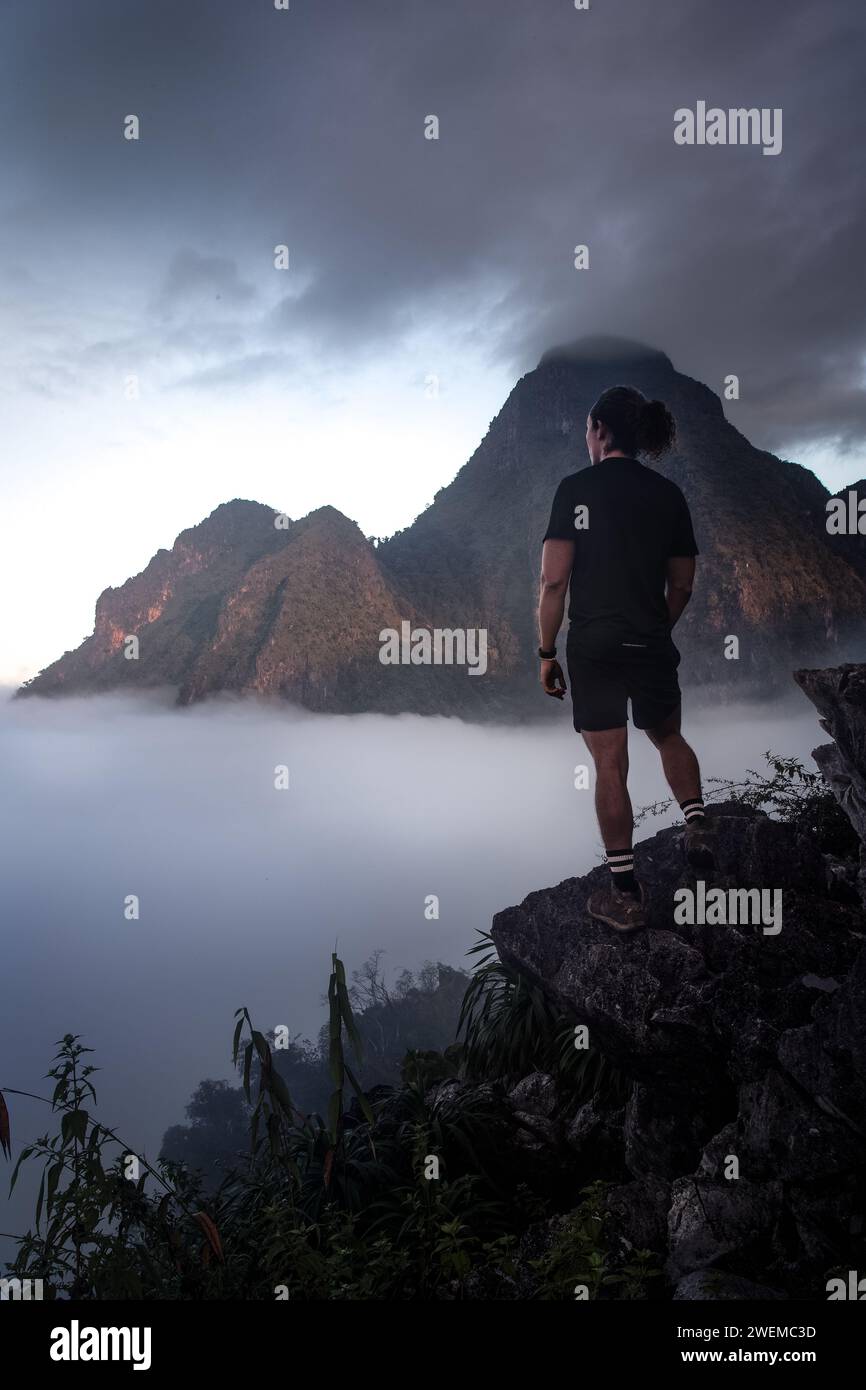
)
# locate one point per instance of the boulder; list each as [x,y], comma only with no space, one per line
[839,695]
[739,1043]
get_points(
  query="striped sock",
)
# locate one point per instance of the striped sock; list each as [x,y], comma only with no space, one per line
[621,865]
[693,809]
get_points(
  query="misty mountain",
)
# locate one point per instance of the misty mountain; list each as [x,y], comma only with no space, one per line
[248,602]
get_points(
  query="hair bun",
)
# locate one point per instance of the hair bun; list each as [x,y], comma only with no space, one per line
[657,429]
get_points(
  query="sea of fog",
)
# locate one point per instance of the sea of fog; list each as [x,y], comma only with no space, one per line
[245,888]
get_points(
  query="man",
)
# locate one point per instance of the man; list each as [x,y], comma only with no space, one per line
[620,539]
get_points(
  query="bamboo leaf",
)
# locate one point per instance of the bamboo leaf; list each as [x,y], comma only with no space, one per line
[335,1040]
[262,1049]
[236,1040]
[281,1091]
[349,1019]
[362,1099]
[40,1198]
[5,1128]
[248,1062]
[274,1133]
[53,1179]
[211,1234]
[25,1153]
[335,1110]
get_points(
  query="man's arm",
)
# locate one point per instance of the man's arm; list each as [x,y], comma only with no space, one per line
[557,562]
[680,580]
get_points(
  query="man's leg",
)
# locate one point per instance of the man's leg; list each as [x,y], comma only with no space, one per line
[609,749]
[678,759]
[600,708]
[684,779]
[619,905]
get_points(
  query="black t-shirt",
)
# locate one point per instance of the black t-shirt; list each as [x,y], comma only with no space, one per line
[626,522]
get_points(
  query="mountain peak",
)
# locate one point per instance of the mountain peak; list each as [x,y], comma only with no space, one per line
[602,348]
[328,512]
[239,511]
[328,521]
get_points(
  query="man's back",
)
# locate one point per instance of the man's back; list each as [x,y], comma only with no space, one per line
[626,522]
[620,537]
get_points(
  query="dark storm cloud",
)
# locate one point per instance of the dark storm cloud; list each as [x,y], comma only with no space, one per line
[192,277]
[306,127]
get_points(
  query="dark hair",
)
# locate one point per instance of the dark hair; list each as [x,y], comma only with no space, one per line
[636,425]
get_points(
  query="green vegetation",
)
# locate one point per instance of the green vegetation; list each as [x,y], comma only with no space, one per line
[788,792]
[413,1191]
[511,1029]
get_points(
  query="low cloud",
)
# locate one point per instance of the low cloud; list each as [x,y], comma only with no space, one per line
[245,890]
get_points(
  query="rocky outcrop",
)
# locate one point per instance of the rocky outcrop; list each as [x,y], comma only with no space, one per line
[839,695]
[743,1139]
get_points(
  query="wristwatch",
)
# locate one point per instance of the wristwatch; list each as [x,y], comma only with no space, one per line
[545,655]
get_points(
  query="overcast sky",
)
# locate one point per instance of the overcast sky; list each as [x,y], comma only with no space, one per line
[409,259]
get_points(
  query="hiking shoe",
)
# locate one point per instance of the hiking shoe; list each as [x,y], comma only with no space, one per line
[699,843]
[621,911]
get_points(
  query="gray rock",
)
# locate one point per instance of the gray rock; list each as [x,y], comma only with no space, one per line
[636,1215]
[595,1137]
[688,1009]
[535,1094]
[815,982]
[785,1135]
[534,1132]
[842,879]
[711,1285]
[662,1138]
[827,1058]
[709,1221]
[839,695]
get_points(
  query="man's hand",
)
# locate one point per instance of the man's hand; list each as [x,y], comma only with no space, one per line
[552,679]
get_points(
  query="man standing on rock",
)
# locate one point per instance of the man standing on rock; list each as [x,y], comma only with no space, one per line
[620,539]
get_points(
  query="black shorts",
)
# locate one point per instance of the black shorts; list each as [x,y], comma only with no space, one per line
[602,687]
